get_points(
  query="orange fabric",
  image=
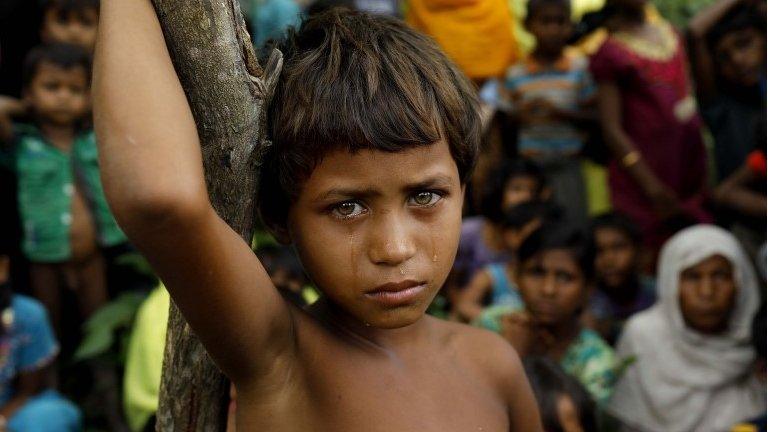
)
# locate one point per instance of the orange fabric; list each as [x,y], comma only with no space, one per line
[475,34]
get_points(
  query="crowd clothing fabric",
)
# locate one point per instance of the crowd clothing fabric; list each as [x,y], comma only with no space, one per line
[474,253]
[28,345]
[734,121]
[144,359]
[46,179]
[503,290]
[682,380]
[659,116]
[475,34]
[565,178]
[566,84]
[593,363]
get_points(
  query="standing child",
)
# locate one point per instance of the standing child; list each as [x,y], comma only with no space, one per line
[70,21]
[728,63]
[550,94]
[554,274]
[659,172]
[374,132]
[621,290]
[64,214]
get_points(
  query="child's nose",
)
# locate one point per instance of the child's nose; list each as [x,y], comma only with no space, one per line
[391,242]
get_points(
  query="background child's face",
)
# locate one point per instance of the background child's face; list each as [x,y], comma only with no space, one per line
[372,218]
[707,294]
[551,26]
[740,56]
[552,285]
[518,190]
[615,257]
[57,95]
[568,414]
[74,28]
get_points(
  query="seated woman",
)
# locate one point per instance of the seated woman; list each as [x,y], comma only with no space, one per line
[692,357]
[27,349]
[554,274]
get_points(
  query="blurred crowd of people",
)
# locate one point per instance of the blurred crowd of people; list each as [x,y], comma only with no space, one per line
[615,228]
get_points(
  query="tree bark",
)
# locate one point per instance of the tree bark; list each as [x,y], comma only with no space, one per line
[228,91]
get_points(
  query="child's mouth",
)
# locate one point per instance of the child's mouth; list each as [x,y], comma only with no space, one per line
[397,293]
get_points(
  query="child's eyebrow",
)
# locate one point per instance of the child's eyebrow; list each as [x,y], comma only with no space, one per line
[438,180]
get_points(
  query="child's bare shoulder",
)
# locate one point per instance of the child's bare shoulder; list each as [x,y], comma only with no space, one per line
[491,354]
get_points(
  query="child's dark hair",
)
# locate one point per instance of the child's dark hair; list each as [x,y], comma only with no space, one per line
[618,222]
[65,56]
[492,191]
[739,18]
[759,332]
[534,6]
[522,214]
[560,236]
[65,8]
[353,81]
[549,382]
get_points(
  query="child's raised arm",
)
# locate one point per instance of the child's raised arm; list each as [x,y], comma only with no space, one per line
[153,177]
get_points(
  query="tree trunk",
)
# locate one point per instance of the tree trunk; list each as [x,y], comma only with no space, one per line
[227,90]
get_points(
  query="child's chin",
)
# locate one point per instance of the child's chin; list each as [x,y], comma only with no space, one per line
[396,318]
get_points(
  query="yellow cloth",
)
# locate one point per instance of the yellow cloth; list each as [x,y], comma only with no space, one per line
[475,34]
[144,361]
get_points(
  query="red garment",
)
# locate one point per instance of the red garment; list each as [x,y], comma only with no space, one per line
[756,163]
[658,115]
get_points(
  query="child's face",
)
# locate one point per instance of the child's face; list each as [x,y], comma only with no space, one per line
[58,96]
[551,26]
[707,294]
[553,286]
[378,232]
[615,258]
[74,28]
[740,56]
[518,190]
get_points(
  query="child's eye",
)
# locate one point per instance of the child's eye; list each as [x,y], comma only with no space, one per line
[425,198]
[347,209]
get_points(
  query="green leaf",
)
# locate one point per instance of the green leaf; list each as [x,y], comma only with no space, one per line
[101,328]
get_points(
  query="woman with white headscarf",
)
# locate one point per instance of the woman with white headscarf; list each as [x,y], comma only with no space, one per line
[691,367]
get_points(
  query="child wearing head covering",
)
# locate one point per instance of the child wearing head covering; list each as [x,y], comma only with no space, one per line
[692,358]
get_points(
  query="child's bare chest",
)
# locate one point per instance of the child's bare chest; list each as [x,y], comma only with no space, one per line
[385,394]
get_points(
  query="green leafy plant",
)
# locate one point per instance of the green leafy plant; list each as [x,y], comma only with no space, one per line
[112,321]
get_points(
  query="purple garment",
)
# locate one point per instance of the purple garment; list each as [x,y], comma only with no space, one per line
[473,253]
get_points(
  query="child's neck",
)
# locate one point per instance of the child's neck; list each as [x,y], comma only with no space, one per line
[59,136]
[564,333]
[365,335]
[547,57]
[626,293]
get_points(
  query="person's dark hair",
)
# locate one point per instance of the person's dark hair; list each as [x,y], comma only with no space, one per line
[560,236]
[65,8]
[353,81]
[619,222]
[492,192]
[534,6]
[524,213]
[65,56]
[549,382]
[739,18]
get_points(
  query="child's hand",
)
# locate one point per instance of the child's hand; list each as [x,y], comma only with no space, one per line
[665,203]
[9,108]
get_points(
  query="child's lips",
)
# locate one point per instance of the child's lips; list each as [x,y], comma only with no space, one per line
[397,293]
